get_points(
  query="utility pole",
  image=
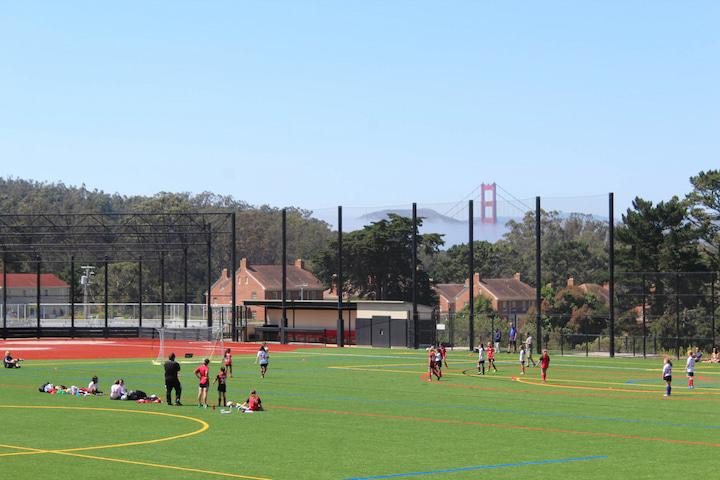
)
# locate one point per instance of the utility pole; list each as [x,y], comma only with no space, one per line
[85,281]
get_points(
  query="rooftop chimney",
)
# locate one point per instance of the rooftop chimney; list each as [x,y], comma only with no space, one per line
[571,282]
[300,263]
[517,276]
[243,264]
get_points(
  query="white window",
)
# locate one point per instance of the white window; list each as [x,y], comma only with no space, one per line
[253,295]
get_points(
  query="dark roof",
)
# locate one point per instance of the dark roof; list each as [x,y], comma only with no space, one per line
[29,280]
[301,304]
[508,288]
[449,290]
[270,277]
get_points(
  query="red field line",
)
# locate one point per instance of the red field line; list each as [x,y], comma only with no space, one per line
[93,348]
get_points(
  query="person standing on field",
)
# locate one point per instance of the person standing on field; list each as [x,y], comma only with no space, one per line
[203,375]
[172,380]
[528,349]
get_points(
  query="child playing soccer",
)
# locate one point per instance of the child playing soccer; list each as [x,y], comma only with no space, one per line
[221,379]
[690,368]
[203,375]
[228,362]
[522,359]
[491,357]
[443,352]
[667,376]
[544,364]
[263,359]
[432,365]
[438,361]
[481,359]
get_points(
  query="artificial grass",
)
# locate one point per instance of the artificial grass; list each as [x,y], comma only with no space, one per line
[356,413]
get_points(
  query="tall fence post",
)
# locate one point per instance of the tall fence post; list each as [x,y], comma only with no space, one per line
[471,272]
[416,321]
[4,295]
[162,289]
[208,300]
[712,306]
[644,318]
[140,292]
[233,268]
[72,296]
[339,283]
[677,315]
[185,287]
[611,262]
[538,275]
[283,320]
[106,264]
[38,291]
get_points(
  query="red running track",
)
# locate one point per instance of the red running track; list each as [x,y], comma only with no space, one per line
[64,348]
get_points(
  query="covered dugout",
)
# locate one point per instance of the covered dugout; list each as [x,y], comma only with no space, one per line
[377,323]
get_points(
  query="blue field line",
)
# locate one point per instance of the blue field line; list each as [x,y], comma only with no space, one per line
[482,467]
[496,410]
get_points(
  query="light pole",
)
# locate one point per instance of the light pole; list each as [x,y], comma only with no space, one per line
[88,273]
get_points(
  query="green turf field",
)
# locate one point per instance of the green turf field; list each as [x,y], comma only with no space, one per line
[360,413]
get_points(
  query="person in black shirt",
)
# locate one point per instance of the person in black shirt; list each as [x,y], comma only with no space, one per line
[172,369]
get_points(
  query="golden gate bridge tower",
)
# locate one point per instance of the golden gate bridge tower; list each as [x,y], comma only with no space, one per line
[488,205]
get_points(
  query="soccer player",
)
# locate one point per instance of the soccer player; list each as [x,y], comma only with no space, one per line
[528,349]
[481,359]
[263,359]
[667,376]
[522,359]
[10,362]
[690,368]
[544,365]
[93,388]
[438,361]
[512,339]
[443,353]
[172,380]
[228,362]
[491,357]
[432,365]
[221,380]
[252,403]
[203,375]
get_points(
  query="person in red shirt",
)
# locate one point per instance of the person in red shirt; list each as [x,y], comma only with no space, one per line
[252,403]
[432,365]
[491,357]
[227,358]
[544,364]
[203,375]
[443,352]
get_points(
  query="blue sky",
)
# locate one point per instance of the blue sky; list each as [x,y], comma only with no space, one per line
[361,103]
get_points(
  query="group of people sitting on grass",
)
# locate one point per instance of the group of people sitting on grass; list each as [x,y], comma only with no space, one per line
[53,389]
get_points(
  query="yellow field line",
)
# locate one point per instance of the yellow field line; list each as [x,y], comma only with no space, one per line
[71,451]
[203,425]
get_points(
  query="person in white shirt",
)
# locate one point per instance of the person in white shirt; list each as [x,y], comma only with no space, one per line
[93,386]
[481,359]
[117,390]
[522,359]
[263,359]
[667,376]
[690,368]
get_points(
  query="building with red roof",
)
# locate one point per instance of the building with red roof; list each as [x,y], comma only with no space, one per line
[264,282]
[22,288]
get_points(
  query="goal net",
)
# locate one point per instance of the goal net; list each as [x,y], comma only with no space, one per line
[190,345]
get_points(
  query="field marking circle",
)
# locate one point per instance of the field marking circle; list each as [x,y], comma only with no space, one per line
[203,427]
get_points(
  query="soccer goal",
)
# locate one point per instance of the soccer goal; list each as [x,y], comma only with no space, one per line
[190,345]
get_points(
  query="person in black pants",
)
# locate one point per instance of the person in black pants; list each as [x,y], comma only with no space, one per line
[172,369]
